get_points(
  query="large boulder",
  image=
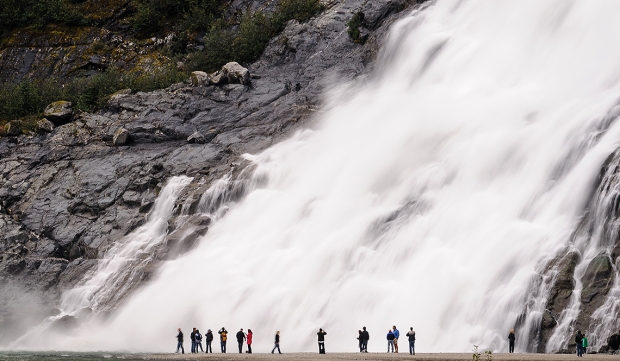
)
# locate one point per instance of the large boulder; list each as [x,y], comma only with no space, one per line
[45,126]
[199,78]
[614,341]
[65,323]
[236,74]
[121,137]
[11,129]
[59,112]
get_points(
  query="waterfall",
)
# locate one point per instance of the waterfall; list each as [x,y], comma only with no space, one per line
[119,271]
[435,194]
[123,264]
[596,239]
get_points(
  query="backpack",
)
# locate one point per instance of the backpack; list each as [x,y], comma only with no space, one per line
[584,342]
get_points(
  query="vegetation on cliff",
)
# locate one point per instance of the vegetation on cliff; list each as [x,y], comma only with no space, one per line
[247,42]
[37,13]
[21,103]
[241,38]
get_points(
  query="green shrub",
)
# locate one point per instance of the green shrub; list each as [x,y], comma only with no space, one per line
[255,31]
[300,10]
[248,42]
[37,13]
[87,94]
[154,16]
[218,49]
[354,26]
[25,98]
[200,15]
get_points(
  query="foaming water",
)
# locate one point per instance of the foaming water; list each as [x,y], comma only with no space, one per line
[117,273]
[121,268]
[430,196]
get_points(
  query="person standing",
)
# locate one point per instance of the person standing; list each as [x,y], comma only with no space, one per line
[511,341]
[249,340]
[390,339]
[579,342]
[396,336]
[198,337]
[277,343]
[192,338]
[223,337]
[365,337]
[321,338]
[411,337]
[360,340]
[584,344]
[240,339]
[180,342]
[208,340]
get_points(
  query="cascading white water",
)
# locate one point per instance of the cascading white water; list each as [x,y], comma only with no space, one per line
[429,197]
[597,238]
[119,269]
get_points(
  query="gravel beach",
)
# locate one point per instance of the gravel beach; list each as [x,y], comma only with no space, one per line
[379,356]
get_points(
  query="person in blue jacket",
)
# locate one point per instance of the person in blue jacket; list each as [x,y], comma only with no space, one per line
[396,336]
[390,339]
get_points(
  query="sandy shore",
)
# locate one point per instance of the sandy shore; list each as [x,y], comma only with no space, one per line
[377,356]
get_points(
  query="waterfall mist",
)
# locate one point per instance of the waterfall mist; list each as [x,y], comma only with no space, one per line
[430,195]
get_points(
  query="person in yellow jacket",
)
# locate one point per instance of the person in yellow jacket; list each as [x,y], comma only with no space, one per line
[223,337]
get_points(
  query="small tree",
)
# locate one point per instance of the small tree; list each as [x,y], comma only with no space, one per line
[476,355]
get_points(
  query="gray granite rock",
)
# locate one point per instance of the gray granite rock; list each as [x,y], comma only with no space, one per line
[199,78]
[121,136]
[45,126]
[59,112]
[236,74]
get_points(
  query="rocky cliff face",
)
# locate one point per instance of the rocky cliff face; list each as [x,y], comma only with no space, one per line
[66,196]
[576,286]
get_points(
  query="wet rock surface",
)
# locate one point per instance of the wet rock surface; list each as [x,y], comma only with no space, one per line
[71,191]
[598,228]
[559,297]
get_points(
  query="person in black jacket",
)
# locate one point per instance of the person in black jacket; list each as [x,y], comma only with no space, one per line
[180,342]
[208,340]
[511,341]
[579,341]
[192,338]
[365,338]
[277,343]
[411,337]
[360,340]
[240,339]
[321,338]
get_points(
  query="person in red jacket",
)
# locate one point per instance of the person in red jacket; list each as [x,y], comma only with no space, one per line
[249,340]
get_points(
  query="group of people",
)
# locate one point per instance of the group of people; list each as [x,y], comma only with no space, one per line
[242,337]
[393,335]
[196,340]
[580,340]
[582,343]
